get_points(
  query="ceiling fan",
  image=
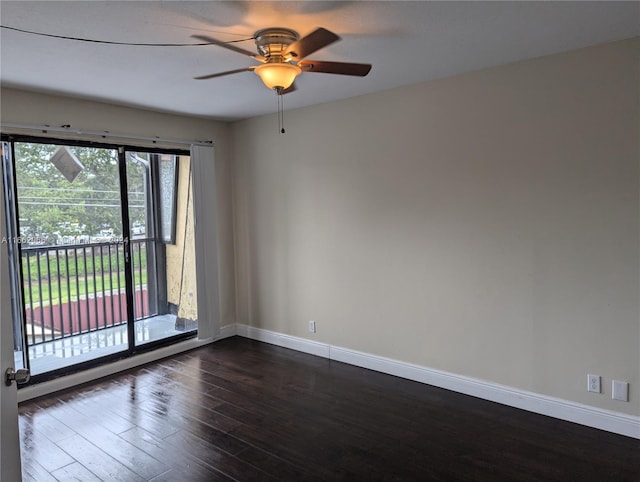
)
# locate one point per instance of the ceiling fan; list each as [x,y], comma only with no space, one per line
[282,54]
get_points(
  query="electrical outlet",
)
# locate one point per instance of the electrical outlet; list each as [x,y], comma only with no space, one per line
[312,326]
[620,390]
[593,383]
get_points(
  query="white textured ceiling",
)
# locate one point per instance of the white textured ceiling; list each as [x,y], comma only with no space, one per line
[407,43]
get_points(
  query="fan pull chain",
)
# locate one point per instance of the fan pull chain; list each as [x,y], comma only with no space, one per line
[280,112]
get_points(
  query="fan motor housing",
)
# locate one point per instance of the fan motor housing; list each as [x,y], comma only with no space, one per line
[272,42]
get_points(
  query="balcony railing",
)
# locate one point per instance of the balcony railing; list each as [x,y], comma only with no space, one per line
[80,288]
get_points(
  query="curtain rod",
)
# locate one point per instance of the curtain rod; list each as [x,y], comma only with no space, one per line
[67,129]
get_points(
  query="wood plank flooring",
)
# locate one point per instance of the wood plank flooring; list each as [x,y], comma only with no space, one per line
[245,410]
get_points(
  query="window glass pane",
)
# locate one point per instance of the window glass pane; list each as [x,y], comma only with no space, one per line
[161,244]
[144,269]
[167,185]
[140,202]
[73,257]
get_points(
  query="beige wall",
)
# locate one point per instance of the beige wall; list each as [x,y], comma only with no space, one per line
[485,224]
[21,107]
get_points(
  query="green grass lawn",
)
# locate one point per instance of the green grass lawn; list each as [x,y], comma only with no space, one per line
[52,280]
[63,292]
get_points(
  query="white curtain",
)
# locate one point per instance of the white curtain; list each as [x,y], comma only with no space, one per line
[205,216]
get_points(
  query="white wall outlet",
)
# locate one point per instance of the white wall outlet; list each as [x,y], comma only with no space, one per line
[593,383]
[312,326]
[620,390]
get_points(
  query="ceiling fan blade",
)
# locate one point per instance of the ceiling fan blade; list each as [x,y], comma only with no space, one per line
[342,68]
[316,40]
[228,46]
[228,72]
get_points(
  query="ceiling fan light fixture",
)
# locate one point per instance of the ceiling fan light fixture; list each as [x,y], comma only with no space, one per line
[278,75]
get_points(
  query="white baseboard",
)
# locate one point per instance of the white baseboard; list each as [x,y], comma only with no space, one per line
[286,341]
[227,331]
[608,420]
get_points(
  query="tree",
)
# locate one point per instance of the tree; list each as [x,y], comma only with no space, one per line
[50,205]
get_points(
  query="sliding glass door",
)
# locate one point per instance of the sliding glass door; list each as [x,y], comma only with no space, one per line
[162,245]
[72,253]
[96,252]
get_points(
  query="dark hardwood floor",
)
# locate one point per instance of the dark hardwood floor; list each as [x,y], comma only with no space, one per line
[245,410]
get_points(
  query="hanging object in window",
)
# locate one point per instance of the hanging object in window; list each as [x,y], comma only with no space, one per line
[67,163]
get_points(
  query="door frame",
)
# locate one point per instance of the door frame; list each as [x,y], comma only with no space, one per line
[10,464]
